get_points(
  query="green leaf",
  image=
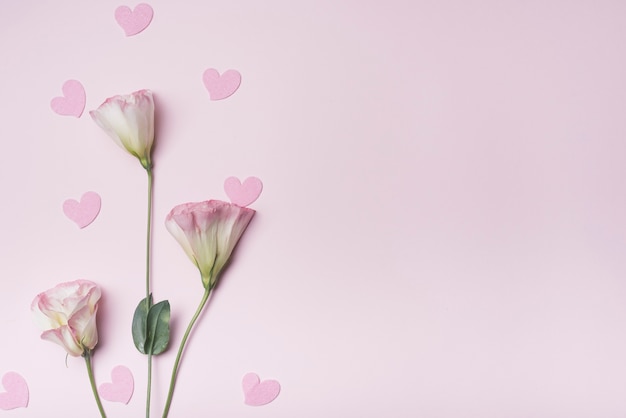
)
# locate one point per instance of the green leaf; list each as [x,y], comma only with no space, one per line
[151,326]
[140,324]
[158,328]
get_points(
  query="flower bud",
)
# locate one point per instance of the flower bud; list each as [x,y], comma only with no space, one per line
[129,121]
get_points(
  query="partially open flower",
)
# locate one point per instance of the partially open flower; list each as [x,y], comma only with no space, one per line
[67,315]
[129,120]
[208,232]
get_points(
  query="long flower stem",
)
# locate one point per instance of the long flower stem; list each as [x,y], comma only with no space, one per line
[149,388]
[92,381]
[170,393]
[149,232]
[148,298]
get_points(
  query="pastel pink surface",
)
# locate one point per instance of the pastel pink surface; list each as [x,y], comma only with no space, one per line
[429,164]
[16,395]
[243,194]
[121,387]
[72,103]
[84,212]
[257,393]
[221,86]
[134,21]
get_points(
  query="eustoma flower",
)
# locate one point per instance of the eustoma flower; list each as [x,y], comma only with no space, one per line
[67,315]
[129,120]
[208,232]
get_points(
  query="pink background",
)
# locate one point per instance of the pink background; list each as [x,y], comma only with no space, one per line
[442,230]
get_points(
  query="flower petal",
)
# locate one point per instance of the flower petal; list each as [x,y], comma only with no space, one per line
[64,337]
[67,315]
[129,121]
[208,232]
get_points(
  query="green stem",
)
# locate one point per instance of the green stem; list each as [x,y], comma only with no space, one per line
[148,298]
[149,388]
[148,234]
[170,393]
[92,381]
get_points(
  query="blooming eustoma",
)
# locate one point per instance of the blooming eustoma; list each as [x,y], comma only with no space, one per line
[67,316]
[208,232]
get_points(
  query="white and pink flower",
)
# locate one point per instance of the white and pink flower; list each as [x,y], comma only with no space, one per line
[208,232]
[67,315]
[129,121]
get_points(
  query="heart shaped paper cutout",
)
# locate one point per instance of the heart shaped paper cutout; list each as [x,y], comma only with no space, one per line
[243,194]
[257,393]
[73,101]
[84,212]
[221,86]
[16,395]
[121,387]
[134,21]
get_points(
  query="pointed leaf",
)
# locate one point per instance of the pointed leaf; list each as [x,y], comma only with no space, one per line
[140,324]
[158,328]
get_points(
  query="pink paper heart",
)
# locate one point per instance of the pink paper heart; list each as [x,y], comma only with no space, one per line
[243,194]
[221,86]
[121,387]
[84,212]
[16,395]
[257,393]
[73,101]
[135,21]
